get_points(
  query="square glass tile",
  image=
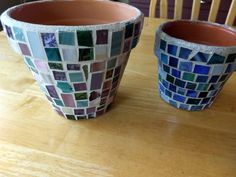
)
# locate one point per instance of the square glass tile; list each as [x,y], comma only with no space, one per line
[85,38]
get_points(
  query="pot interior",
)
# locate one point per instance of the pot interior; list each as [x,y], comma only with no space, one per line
[201,33]
[71,13]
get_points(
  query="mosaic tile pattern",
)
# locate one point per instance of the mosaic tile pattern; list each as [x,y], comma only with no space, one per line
[189,79]
[79,71]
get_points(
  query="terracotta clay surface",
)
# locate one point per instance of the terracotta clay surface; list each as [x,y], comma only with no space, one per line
[201,33]
[73,12]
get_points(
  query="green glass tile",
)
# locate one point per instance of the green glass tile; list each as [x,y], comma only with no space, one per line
[66,38]
[85,38]
[58,102]
[65,87]
[81,96]
[58,66]
[71,117]
[116,43]
[202,87]
[19,35]
[82,103]
[85,69]
[188,76]
[111,63]
[53,54]
[170,78]
[76,77]
[29,62]
[86,54]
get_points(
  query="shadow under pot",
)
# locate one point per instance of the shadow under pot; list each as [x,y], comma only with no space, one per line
[195,59]
[77,56]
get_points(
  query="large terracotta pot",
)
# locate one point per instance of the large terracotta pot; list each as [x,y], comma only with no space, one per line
[195,60]
[76,50]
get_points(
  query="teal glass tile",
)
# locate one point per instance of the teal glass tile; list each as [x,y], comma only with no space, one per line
[173,103]
[193,101]
[201,57]
[186,66]
[201,78]
[85,38]
[163,45]
[202,87]
[196,108]
[181,91]
[216,59]
[116,43]
[86,54]
[168,93]
[57,66]
[29,62]
[81,96]
[19,35]
[166,68]
[188,76]
[164,58]
[184,53]
[180,83]
[76,77]
[66,38]
[172,49]
[64,87]
[58,102]
[111,63]
[191,86]
[53,54]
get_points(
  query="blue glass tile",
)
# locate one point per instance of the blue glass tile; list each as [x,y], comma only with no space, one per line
[202,78]
[205,101]
[218,70]
[163,45]
[180,83]
[165,83]
[192,93]
[166,68]
[181,91]
[173,62]
[216,59]
[65,87]
[186,66]
[172,49]
[179,98]
[168,93]
[200,69]
[164,58]
[214,79]
[173,103]
[162,88]
[196,108]
[191,86]
[201,57]
[203,94]
[231,58]
[176,73]
[172,88]
[184,106]
[230,68]
[19,35]
[184,53]
[49,39]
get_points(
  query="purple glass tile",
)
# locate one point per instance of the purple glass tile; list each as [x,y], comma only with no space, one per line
[49,98]
[117,70]
[94,95]
[9,32]
[73,67]
[98,113]
[79,111]
[80,87]
[99,66]
[68,100]
[96,81]
[52,91]
[105,93]
[59,112]
[49,39]
[91,110]
[102,36]
[59,76]
[107,84]
[127,46]
[24,49]
[137,29]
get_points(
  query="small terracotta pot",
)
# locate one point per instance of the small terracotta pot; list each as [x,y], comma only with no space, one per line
[195,60]
[77,50]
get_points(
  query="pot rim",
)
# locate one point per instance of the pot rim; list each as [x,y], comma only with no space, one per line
[160,34]
[7,19]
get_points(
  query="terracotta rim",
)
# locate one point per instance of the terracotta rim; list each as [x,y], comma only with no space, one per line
[199,33]
[14,15]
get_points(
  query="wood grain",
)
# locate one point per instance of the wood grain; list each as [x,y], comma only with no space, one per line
[140,136]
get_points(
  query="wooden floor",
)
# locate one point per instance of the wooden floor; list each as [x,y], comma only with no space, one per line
[141,136]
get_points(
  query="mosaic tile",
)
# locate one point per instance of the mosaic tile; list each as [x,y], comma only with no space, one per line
[184,106]
[19,35]
[164,58]
[53,54]
[201,78]
[35,45]
[201,69]
[218,70]
[186,66]
[96,81]
[193,101]
[192,93]
[223,77]
[85,71]
[191,86]
[9,32]
[71,117]
[98,66]
[188,76]
[172,87]
[85,38]
[127,46]
[115,79]
[181,91]
[137,28]
[117,70]
[24,49]
[94,95]
[173,62]
[73,67]
[64,87]
[66,38]
[41,66]
[216,59]
[59,76]
[172,49]
[79,112]
[173,103]
[170,78]
[58,102]
[49,39]
[86,54]
[91,110]
[203,94]
[47,78]
[52,91]
[76,77]
[111,63]
[184,53]
[179,98]
[101,52]
[200,57]
[205,100]
[134,42]
[116,43]
[166,68]
[57,66]
[70,54]
[103,101]
[180,83]
[129,29]
[80,86]
[29,62]
[163,45]
[202,87]
[107,84]
[81,96]
[231,58]
[230,68]
[109,74]
[68,100]
[102,37]
[214,79]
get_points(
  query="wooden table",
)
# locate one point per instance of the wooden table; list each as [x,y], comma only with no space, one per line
[141,136]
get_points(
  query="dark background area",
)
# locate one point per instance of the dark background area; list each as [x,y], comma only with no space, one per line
[143,5]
